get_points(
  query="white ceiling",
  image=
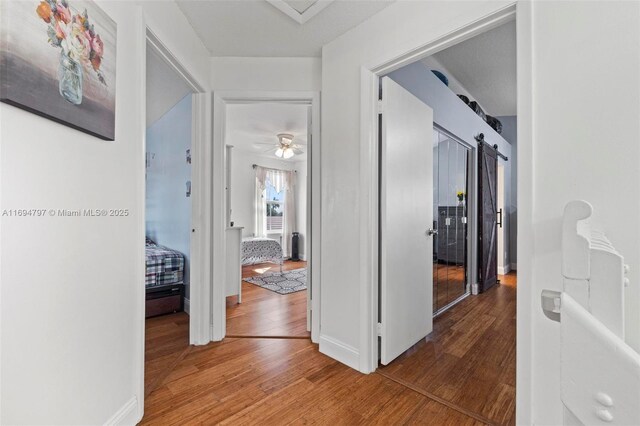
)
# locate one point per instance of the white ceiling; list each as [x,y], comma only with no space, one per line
[258,28]
[486,66]
[165,87]
[253,127]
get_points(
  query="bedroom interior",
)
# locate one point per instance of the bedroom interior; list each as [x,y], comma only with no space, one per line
[266,159]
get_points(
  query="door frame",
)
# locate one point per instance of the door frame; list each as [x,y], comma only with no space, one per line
[200,267]
[220,100]
[369,170]
[199,263]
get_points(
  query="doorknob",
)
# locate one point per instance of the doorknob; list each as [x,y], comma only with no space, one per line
[431,232]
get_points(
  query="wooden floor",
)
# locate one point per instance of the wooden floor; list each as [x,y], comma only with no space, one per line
[166,341]
[470,358]
[462,374]
[264,312]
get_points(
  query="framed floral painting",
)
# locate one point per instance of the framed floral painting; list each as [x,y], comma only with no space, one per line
[58,60]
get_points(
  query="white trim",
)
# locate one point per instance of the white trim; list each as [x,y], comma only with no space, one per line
[187,305]
[504,270]
[141,78]
[526,300]
[340,351]
[201,212]
[514,266]
[475,289]
[369,170]
[127,414]
[303,17]
[220,100]
[369,221]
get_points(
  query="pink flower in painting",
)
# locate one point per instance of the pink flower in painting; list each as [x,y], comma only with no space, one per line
[63,13]
[97,45]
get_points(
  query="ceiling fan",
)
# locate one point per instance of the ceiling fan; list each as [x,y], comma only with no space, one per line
[285,148]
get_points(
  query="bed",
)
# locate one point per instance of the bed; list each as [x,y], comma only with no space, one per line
[261,250]
[164,279]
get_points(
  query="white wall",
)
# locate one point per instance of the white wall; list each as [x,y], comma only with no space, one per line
[168,209]
[565,150]
[71,289]
[277,74]
[453,115]
[510,133]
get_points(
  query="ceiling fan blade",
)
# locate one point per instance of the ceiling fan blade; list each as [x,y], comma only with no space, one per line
[297,151]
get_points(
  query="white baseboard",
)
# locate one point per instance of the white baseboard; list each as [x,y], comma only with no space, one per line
[514,266]
[128,414]
[339,351]
[504,270]
[187,305]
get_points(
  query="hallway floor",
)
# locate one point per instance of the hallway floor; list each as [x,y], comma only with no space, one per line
[264,312]
[464,373]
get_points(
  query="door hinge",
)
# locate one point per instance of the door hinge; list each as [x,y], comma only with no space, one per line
[379,106]
[379,329]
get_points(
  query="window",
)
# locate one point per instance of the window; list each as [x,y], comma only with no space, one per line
[274,207]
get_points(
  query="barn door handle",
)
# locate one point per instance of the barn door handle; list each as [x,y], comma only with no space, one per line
[500,221]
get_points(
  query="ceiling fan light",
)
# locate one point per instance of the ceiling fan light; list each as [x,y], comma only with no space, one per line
[279,152]
[285,138]
[288,153]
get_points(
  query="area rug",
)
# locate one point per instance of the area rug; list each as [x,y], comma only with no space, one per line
[285,282]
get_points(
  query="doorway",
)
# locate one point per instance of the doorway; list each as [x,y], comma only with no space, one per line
[479,328]
[172,276]
[267,146]
[268,182]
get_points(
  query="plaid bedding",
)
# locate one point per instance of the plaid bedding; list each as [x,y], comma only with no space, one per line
[163,266]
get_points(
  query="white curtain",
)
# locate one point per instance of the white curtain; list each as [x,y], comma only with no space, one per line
[282,180]
[289,219]
[260,222]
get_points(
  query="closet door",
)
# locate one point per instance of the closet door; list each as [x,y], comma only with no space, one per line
[487,216]
[406,216]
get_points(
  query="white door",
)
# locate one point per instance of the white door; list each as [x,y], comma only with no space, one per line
[406,215]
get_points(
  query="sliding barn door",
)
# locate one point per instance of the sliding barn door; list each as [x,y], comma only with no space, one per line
[406,216]
[487,216]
